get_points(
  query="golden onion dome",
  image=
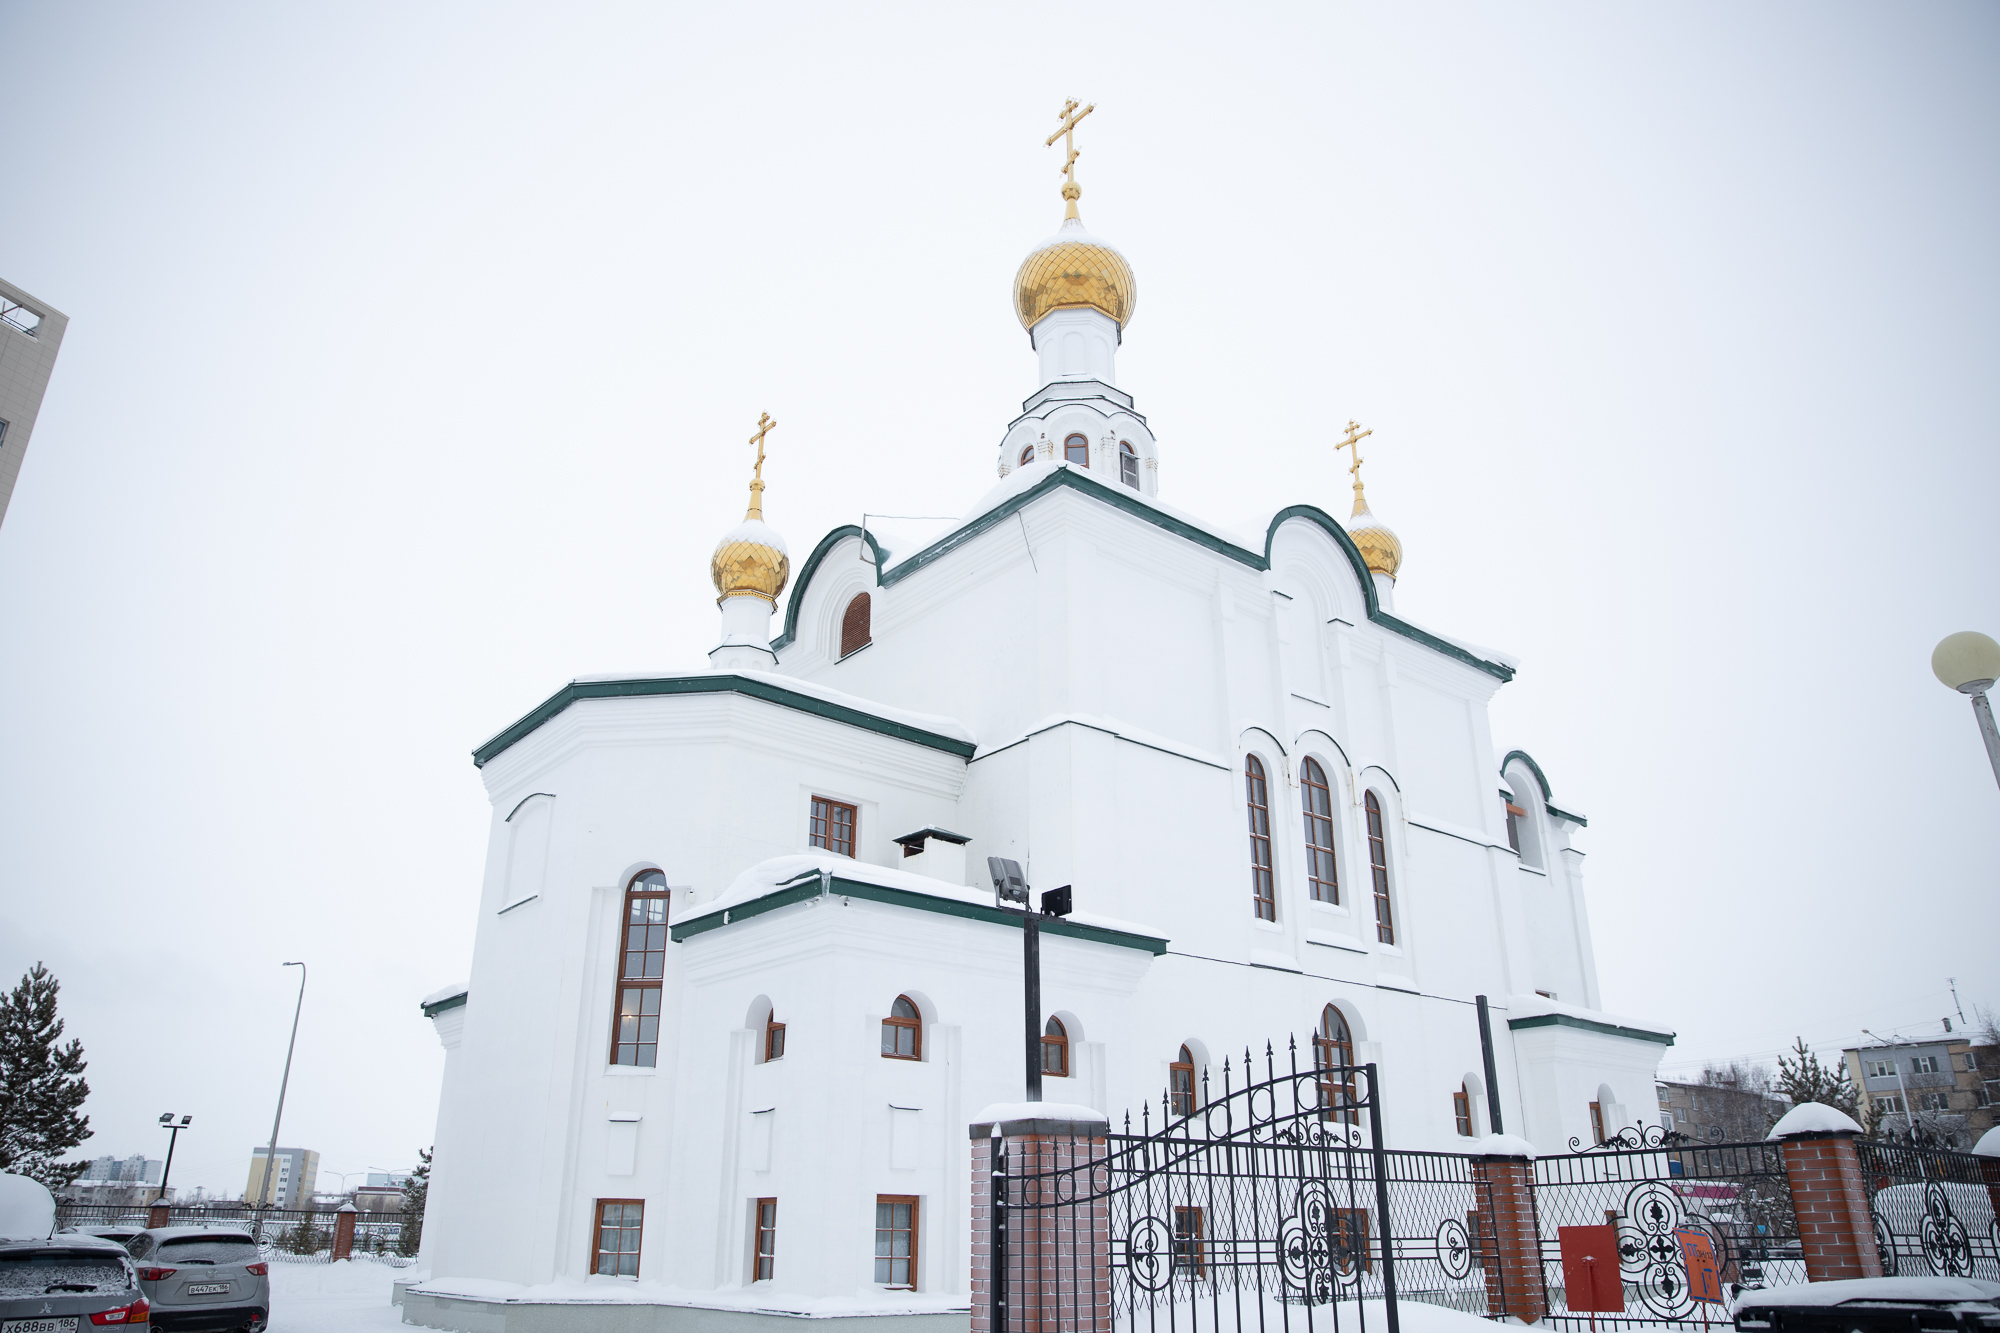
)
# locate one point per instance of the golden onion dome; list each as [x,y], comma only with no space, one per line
[750,560]
[1380,548]
[1074,269]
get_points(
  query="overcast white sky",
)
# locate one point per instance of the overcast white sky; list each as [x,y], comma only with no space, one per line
[412,349]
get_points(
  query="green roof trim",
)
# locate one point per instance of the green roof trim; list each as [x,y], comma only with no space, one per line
[1590,1025]
[449,1002]
[654,686]
[1533,767]
[1555,813]
[1115,496]
[800,892]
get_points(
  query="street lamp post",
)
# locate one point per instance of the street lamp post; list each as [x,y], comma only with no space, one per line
[1909,1117]
[1969,662]
[173,1137]
[271,1156]
[1010,893]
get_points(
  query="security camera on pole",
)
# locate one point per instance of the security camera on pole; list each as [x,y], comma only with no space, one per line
[1010,894]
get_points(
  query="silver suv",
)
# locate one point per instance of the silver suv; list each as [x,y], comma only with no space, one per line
[203,1279]
[67,1284]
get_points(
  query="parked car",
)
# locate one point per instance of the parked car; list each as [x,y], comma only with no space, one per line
[121,1234]
[203,1279]
[1872,1305]
[54,1284]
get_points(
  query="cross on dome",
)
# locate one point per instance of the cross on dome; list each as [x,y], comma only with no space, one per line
[1070,118]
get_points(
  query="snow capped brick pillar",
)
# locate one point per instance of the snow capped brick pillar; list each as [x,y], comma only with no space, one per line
[1827,1193]
[1052,1265]
[160,1214]
[1510,1243]
[343,1232]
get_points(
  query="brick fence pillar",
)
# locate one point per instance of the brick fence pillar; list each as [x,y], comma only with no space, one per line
[160,1214]
[343,1232]
[1510,1241]
[1827,1193]
[1057,1270]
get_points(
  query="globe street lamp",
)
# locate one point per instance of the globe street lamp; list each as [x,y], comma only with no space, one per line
[1969,662]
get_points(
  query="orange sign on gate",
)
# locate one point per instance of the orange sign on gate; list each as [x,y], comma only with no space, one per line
[1704,1274]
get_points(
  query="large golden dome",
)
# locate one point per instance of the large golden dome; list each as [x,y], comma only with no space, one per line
[1074,269]
[1381,550]
[750,559]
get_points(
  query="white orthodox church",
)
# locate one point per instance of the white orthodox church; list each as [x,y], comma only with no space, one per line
[739,981]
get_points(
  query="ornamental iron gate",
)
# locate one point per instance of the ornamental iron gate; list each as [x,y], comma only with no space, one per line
[1649,1183]
[1933,1210]
[1270,1206]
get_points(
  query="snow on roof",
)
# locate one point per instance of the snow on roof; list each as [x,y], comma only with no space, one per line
[1842,1290]
[622,1291]
[779,872]
[1113,726]
[1534,1006]
[1501,1145]
[1813,1118]
[443,993]
[27,1209]
[1027,478]
[1002,1112]
[1989,1143]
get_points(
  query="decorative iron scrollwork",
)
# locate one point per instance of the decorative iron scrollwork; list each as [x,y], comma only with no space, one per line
[1635,1137]
[1885,1241]
[1454,1248]
[1947,1247]
[1149,1248]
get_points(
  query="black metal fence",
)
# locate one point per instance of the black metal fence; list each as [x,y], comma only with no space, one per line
[1269,1206]
[1932,1209]
[1649,1184]
[285,1231]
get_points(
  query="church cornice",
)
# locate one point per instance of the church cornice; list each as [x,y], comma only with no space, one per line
[656,686]
[1118,498]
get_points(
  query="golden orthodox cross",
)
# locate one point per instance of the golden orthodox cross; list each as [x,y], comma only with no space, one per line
[1355,435]
[1070,118]
[764,427]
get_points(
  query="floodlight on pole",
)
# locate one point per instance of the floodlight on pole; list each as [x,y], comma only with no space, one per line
[173,1137]
[1969,662]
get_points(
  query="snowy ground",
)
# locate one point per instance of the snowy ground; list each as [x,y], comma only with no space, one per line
[352,1297]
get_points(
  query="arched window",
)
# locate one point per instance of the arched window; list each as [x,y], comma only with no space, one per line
[1027,454]
[1180,1084]
[1055,1050]
[1378,865]
[1321,871]
[642,963]
[1461,1110]
[774,1037]
[1128,464]
[1258,796]
[854,625]
[1076,449]
[903,1031]
[1333,1051]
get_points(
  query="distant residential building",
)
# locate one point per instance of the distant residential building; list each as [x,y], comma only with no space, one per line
[1944,1086]
[393,1179]
[1718,1112]
[117,1181]
[379,1198]
[31,331]
[298,1173]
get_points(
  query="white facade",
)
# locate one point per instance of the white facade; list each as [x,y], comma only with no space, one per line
[1075,677]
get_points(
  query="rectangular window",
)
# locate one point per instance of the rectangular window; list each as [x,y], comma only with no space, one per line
[832,826]
[1881,1069]
[1262,891]
[1351,1240]
[616,1253]
[764,1254]
[774,1040]
[1514,813]
[896,1241]
[1461,1111]
[1475,1232]
[1378,866]
[1934,1101]
[1924,1064]
[642,964]
[1596,1123]
[1187,1241]
[1891,1104]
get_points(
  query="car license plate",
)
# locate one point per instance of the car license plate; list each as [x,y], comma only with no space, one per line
[205,1288]
[66,1324]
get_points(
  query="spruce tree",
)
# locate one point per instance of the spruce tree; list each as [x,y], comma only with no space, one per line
[41,1085]
[1802,1078]
[416,1193]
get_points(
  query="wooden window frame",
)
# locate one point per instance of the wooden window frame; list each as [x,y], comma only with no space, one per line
[1337,1093]
[1475,1232]
[1128,464]
[1597,1122]
[1378,867]
[849,644]
[1314,787]
[1461,1111]
[1514,816]
[1056,1045]
[622,984]
[597,1235]
[914,1026]
[1187,1250]
[774,1035]
[1181,1102]
[915,1234]
[820,826]
[1354,1224]
[1263,880]
[763,1239]
[1027,454]
[1079,444]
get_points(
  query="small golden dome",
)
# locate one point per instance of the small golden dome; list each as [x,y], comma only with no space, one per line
[750,559]
[1380,548]
[1074,269]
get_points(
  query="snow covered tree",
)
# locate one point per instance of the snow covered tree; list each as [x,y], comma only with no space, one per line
[1802,1078]
[41,1085]
[416,1192]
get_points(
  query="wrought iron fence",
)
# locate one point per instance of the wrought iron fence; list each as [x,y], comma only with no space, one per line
[1271,1205]
[1647,1184]
[1933,1210]
[285,1232]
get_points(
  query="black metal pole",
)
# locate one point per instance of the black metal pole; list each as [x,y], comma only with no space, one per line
[167,1171]
[1381,1165]
[1031,994]
[1492,1076]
